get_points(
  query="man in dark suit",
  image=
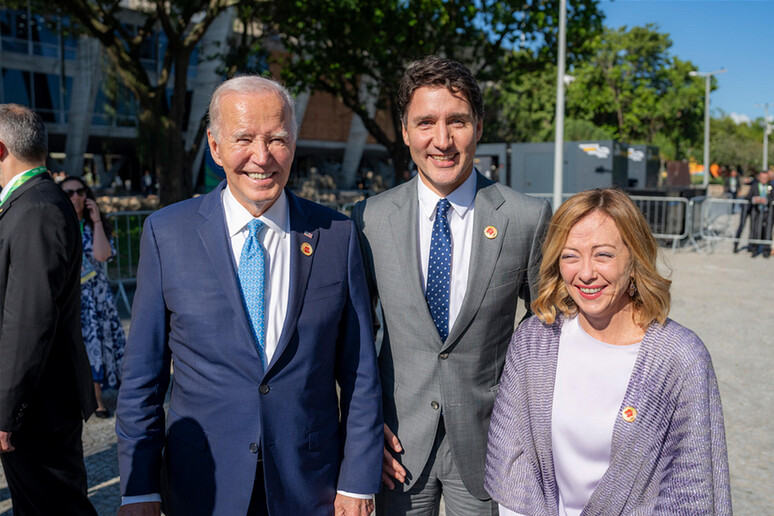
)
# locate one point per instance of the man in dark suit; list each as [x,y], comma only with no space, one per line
[760,196]
[449,254]
[45,379]
[259,300]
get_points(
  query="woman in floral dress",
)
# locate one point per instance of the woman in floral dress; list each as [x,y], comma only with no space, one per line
[101,326]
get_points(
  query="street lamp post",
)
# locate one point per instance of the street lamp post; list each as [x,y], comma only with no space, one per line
[707,78]
[766,131]
[559,138]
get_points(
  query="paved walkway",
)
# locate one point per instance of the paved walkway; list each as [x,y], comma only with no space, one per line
[726,298]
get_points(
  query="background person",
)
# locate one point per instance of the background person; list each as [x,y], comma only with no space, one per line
[606,406]
[103,334]
[760,197]
[449,254]
[45,383]
[260,300]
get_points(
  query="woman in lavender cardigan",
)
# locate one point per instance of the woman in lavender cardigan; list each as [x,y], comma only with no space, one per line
[605,405]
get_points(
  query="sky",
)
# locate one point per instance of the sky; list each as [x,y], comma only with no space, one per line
[734,34]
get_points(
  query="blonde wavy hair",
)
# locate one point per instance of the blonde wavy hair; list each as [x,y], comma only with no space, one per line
[651,303]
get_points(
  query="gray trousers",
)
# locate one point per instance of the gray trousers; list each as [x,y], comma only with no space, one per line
[440,477]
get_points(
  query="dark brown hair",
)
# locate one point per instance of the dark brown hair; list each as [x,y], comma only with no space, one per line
[89,195]
[439,71]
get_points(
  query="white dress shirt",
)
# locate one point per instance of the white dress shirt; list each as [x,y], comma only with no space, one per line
[275,239]
[461,224]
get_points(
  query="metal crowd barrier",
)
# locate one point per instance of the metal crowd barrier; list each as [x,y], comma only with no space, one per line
[122,268]
[669,218]
[731,221]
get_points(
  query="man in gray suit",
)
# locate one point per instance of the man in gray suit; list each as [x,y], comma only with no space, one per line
[448,254]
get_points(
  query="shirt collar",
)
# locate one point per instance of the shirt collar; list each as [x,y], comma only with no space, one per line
[10,183]
[277,217]
[461,199]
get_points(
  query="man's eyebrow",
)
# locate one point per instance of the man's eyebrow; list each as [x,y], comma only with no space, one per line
[241,134]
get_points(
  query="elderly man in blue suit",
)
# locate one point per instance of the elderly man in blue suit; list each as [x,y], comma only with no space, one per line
[258,298]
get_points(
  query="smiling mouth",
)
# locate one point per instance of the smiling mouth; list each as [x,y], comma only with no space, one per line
[443,158]
[259,175]
[590,292]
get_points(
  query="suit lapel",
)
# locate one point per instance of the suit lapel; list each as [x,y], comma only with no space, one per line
[215,238]
[483,256]
[404,227]
[300,269]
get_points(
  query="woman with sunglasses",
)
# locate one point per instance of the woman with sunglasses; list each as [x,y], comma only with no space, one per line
[103,335]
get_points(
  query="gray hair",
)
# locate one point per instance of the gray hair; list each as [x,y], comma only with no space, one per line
[250,84]
[24,133]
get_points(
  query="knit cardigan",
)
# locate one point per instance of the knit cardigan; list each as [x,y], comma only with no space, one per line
[670,460]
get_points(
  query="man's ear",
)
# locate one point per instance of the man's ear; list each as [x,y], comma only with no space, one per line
[213,147]
[3,150]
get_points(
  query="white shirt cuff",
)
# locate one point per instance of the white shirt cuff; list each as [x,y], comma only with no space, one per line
[356,495]
[153,497]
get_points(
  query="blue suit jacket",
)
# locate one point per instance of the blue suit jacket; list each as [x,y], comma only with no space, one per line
[224,406]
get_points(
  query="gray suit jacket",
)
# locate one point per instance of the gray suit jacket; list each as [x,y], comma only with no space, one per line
[422,376]
[671,460]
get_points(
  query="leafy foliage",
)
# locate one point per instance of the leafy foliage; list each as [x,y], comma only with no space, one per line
[356,50]
[124,35]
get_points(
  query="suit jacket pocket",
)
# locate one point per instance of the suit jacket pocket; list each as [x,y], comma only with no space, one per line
[325,292]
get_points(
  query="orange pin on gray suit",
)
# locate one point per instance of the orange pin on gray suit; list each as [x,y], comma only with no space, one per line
[306,248]
[490,232]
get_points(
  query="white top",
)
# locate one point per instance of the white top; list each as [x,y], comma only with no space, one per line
[275,239]
[461,225]
[591,381]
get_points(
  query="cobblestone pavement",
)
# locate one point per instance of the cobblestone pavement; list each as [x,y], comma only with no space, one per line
[726,298]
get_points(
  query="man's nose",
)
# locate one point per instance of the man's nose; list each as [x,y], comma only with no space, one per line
[442,137]
[261,152]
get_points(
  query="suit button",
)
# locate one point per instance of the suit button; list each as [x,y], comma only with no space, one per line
[435,405]
[443,356]
[254,447]
[263,389]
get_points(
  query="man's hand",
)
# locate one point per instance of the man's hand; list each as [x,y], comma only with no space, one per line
[140,509]
[5,442]
[348,506]
[391,468]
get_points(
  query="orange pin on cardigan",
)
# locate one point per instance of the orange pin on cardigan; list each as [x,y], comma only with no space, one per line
[306,248]
[629,414]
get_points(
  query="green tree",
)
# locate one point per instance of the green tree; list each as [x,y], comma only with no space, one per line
[161,96]
[358,50]
[634,87]
[738,144]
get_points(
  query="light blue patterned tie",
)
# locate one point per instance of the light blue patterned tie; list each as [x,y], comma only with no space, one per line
[439,270]
[252,281]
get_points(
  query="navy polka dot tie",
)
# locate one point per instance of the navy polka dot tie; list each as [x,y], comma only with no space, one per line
[439,270]
[252,281]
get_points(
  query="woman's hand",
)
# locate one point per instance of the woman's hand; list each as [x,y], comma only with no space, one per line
[91,206]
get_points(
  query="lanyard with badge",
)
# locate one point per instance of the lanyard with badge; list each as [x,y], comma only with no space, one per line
[22,179]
